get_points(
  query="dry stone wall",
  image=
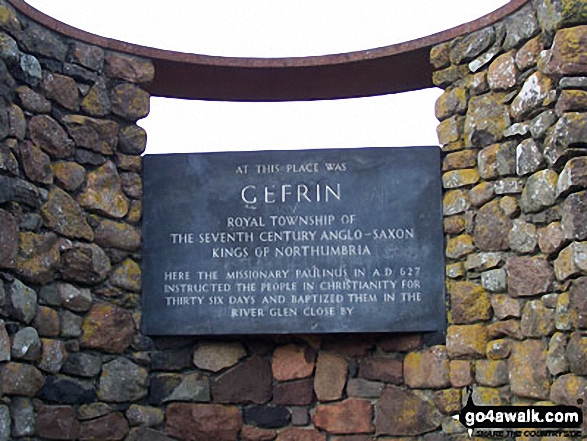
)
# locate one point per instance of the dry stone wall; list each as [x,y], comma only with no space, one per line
[74,365]
[514,134]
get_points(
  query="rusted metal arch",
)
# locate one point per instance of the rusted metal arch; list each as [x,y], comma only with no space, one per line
[397,68]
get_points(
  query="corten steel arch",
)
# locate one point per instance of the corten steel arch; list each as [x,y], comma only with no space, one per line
[397,68]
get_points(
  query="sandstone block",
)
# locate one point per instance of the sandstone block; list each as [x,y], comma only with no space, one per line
[103,193]
[556,360]
[466,340]
[505,307]
[61,89]
[36,164]
[577,354]
[53,356]
[528,276]
[129,102]
[38,257]
[353,415]
[393,417]
[295,434]
[111,427]
[214,357]
[20,379]
[122,380]
[579,303]
[469,302]
[566,138]
[85,263]
[248,382]
[384,369]
[62,214]
[467,48]
[551,238]
[68,427]
[165,388]
[50,136]
[492,228]
[207,421]
[107,328]
[294,393]
[574,216]
[428,369]
[461,373]
[571,261]
[120,235]
[486,120]
[292,361]
[568,56]
[9,239]
[98,135]
[454,202]
[528,157]
[529,377]
[539,192]
[330,377]
[535,93]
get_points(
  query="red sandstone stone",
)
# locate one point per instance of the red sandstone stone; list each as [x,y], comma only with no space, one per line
[382,369]
[528,55]
[509,328]
[352,415]
[129,68]
[46,322]
[401,343]
[466,340]
[331,374]
[448,401]
[202,422]
[502,73]
[67,428]
[111,427]
[405,412]
[492,227]
[248,382]
[292,361]
[294,393]
[528,276]
[61,89]
[20,379]
[528,374]
[568,54]
[108,328]
[427,369]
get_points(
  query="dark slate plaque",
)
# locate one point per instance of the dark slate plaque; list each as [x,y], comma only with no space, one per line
[310,241]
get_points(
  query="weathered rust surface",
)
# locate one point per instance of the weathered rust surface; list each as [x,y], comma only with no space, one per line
[390,69]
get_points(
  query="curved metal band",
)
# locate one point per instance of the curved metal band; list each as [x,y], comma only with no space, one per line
[397,68]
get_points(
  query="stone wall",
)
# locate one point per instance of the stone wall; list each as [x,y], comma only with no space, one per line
[73,364]
[514,134]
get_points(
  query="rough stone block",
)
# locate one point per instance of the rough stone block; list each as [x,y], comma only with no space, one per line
[529,377]
[528,276]
[466,340]
[330,377]
[469,302]
[428,369]
[392,419]
[207,421]
[353,415]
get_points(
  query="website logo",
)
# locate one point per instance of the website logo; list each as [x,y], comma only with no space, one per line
[509,421]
